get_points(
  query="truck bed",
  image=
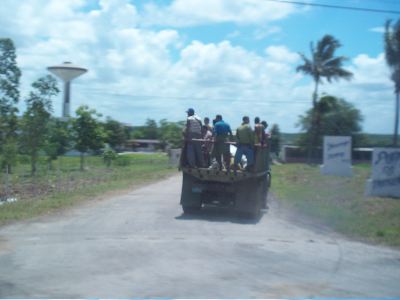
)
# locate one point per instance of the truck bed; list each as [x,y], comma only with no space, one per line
[221,176]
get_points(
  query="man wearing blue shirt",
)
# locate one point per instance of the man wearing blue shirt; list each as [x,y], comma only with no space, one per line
[222,132]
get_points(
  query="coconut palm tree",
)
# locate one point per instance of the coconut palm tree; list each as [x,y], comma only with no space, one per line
[322,65]
[392,54]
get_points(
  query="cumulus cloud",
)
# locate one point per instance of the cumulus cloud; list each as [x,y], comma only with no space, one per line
[371,91]
[136,72]
[282,53]
[194,12]
[260,34]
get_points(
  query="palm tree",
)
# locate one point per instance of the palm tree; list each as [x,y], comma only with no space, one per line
[323,64]
[392,54]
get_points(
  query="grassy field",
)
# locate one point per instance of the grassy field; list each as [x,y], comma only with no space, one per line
[338,202]
[51,190]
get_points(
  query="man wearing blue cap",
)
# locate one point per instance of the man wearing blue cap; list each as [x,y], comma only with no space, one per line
[193,131]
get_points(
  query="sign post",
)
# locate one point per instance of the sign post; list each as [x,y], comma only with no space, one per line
[385,179]
[337,156]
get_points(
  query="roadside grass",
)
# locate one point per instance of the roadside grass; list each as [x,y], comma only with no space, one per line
[96,181]
[338,202]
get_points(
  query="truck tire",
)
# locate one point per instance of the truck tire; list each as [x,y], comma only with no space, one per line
[266,183]
[190,201]
[248,200]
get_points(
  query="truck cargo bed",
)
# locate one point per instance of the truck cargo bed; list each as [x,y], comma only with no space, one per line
[221,176]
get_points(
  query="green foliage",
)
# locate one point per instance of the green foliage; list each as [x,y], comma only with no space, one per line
[109,155]
[58,140]
[8,159]
[322,65]
[9,96]
[338,202]
[122,161]
[171,133]
[116,133]
[34,125]
[9,76]
[151,129]
[392,55]
[67,186]
[148,131]
[88,131]
[333,116]
[275,140]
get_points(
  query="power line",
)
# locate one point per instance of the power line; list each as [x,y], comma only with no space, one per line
[338,6]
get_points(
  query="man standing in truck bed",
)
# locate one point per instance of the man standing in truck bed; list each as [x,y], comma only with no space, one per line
[193,148]
[222,132]
[245,144]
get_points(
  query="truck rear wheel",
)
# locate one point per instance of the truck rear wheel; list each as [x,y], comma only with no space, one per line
[248,202]
[190,201]
[266,183]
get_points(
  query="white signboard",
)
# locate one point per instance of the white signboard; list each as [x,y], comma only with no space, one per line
[385,179]
[337,156]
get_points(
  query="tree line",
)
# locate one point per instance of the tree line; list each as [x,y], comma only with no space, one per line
[37,132]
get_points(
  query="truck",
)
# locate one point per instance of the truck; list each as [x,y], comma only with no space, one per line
[245,191]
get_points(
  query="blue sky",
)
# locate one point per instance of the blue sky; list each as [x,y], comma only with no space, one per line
[154,59]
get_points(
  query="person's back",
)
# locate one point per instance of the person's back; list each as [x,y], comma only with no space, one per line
[244,134]
[259,134]
[222,128]
[222,131]
[207,123]
[245,143]
[193,125]
[193,131]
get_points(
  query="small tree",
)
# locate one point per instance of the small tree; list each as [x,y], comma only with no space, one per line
[88,132]
[35,120]
[109,155]
[275,140]
[150,129]
[9,96]
[335,117]
[58,140]
[171,133]
[116,134]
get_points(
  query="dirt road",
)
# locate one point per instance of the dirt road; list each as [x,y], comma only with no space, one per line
[139,245]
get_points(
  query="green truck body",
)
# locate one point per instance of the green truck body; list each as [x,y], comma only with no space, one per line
[244,191]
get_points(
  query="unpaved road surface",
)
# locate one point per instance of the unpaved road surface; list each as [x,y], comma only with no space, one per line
[140,245]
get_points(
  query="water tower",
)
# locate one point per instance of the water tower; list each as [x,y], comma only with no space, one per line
[67,72]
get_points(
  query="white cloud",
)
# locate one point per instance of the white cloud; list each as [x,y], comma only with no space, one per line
[136,73]
[282,54]
[371,91]
[260,34]
[377,29]
[196,12]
